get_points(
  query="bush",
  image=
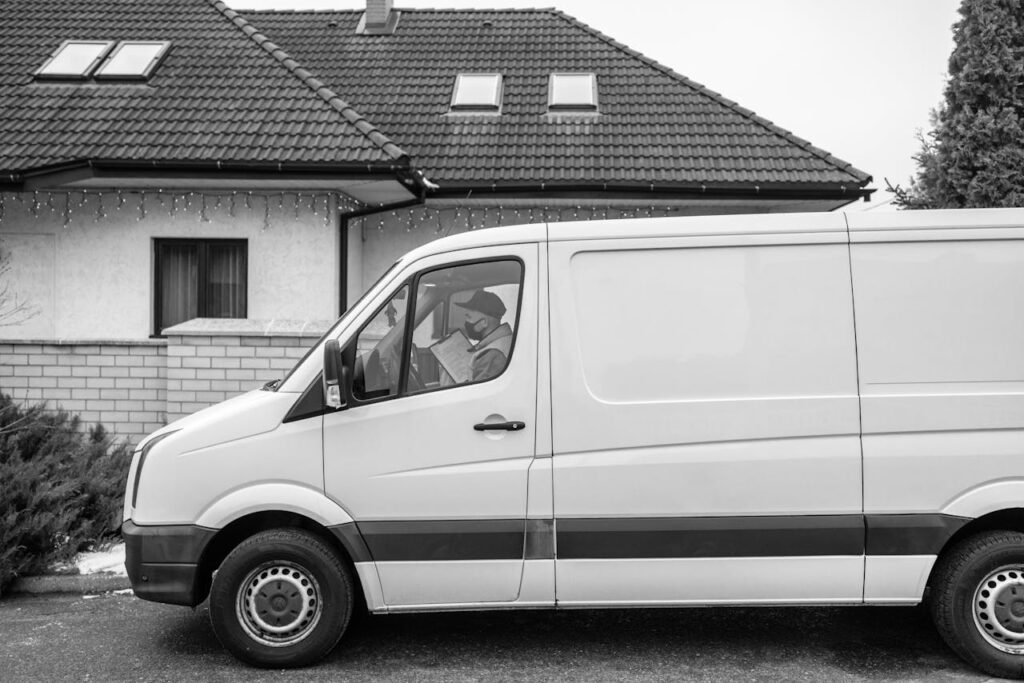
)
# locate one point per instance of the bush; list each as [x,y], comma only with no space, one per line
[61,490]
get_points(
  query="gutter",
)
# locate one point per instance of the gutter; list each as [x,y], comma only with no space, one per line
[88,168]
[660,191]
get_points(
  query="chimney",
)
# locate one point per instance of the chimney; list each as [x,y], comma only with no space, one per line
[378,19]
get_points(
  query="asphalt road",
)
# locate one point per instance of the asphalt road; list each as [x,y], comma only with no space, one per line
[121,638]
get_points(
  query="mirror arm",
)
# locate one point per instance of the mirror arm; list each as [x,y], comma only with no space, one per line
[334,376]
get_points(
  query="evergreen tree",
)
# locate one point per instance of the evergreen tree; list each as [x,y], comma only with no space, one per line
[974,155]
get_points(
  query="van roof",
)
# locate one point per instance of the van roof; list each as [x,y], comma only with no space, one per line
[733,224]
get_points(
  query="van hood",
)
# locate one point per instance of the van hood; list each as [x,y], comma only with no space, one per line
[243,416]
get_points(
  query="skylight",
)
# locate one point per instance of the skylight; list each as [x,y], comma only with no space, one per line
[477,92]
[79,60]
[75,59]
[133,60]
[573,91]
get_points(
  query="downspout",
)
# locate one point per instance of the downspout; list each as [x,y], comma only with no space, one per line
[423,185]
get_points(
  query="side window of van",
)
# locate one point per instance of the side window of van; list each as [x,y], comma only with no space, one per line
[464,325]
[378,353]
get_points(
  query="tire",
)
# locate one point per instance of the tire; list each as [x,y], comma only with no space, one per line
[977,601]
[282,598]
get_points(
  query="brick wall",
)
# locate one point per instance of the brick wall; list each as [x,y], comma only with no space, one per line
[120,384]
[209,360]
[134,388]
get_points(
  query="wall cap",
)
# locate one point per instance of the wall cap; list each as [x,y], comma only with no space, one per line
[247,327]
[85,342]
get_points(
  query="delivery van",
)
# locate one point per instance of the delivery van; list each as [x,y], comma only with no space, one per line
[806,409]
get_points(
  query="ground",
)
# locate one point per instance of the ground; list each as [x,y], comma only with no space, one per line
[121,638]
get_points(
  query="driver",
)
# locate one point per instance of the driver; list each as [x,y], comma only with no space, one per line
[483,325]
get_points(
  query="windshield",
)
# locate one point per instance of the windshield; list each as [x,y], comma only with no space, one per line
[272,386]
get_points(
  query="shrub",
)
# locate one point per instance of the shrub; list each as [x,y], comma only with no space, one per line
[61,490]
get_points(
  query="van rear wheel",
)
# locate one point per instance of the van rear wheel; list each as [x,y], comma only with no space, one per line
[977,601]
[282,598]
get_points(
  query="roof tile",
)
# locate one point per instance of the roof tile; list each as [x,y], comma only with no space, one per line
[223,92]
[653,125]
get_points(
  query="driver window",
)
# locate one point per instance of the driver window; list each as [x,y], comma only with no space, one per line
[464,324]
[378,356]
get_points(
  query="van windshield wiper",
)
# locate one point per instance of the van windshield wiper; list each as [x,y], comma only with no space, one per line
[271,385]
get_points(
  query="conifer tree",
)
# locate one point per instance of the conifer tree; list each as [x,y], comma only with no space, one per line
[974,155]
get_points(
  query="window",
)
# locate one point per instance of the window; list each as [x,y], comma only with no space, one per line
[199,279]
[75,59]
[573,92]
[79,59]
[461,331]
[131,60]
[477,92]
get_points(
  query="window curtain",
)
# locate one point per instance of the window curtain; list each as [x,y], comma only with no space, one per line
[179,284]
[225,288]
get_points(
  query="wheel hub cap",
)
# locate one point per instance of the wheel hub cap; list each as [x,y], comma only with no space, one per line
[999,609]
[279,604]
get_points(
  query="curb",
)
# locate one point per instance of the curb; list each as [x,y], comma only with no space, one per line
[71,583]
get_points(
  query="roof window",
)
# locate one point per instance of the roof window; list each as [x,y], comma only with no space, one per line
[103,60]
[75,59]
[133,60]
[572,92]
[477,92]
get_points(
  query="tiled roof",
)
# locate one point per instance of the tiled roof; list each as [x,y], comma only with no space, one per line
[655,126]
[222,94]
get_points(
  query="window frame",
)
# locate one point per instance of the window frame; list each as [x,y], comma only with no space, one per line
[572,107]
[348,353]
[478,108]
[84,74]
[202,268]
[165,47]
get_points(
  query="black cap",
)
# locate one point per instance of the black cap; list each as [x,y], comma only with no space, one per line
[485,302]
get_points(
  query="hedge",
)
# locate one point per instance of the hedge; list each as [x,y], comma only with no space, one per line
[61,487]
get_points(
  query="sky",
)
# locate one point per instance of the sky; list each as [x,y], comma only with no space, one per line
[856,78]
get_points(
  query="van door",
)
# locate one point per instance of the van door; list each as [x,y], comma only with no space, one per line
[705,419]
[432,453]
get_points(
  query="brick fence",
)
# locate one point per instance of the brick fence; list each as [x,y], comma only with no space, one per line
[122,385]
[135,387]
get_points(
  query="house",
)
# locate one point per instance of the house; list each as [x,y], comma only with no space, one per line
[188,195]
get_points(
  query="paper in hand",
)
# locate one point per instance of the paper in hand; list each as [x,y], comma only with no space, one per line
[455,354]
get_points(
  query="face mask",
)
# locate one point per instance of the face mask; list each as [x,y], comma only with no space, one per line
[471,331]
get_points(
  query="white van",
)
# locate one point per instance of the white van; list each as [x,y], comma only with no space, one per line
[808,409]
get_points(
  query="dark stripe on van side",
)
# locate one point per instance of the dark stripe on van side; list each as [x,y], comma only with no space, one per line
[653,537]
[911,534]
[426,541]
[661,537]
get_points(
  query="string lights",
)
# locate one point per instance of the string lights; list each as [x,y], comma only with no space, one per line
[322,208]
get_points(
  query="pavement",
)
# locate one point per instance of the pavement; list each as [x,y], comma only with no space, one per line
[89,626]
[112,638]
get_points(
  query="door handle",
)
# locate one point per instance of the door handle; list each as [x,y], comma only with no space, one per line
[506,426]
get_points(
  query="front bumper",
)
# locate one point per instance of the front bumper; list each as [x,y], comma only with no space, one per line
[163,561]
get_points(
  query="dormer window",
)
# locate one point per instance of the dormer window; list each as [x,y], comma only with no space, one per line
[572,92]
[79,60]
[75,59]
[132,60]
[477,92]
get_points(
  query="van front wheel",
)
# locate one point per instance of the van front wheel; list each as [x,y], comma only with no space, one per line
[977,601]
[282,598]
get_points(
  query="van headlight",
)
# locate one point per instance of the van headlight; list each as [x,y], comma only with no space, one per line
[142,460]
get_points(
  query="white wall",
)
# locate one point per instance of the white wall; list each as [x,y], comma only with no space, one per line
[99,266]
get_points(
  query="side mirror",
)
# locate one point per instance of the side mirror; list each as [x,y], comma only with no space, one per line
[334,375]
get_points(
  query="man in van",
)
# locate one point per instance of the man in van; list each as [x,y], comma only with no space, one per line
[483,325]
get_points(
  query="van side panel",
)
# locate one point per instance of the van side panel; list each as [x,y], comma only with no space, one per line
[706,377]
[940,335]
